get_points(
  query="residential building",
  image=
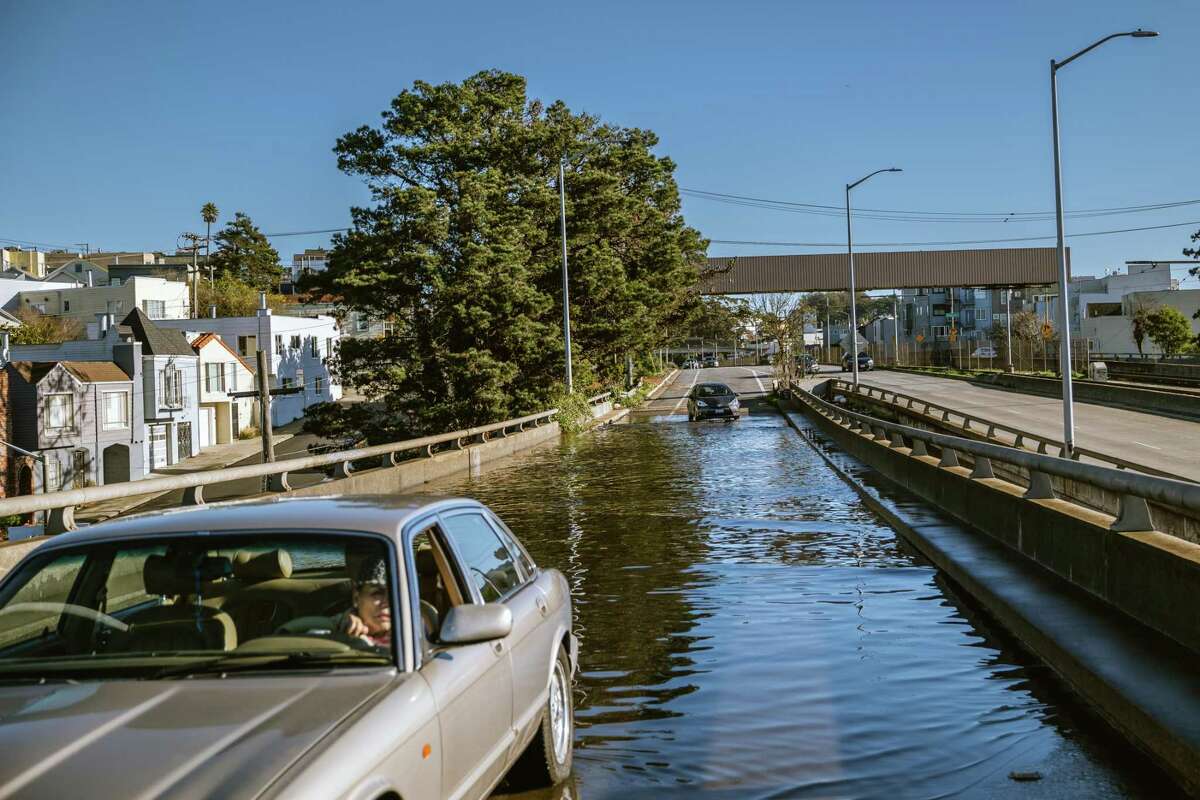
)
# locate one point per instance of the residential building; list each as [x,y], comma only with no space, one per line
[10,288]
[102,258]
[296,349]
[931,313]
[80,417]
[170,390]
[28,262]
[311,260]
[222,372]
[80,272]
[156,297]
[165,420]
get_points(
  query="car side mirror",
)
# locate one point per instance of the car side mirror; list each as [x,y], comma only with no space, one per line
[470,623]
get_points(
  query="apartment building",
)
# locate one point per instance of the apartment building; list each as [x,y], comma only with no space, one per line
[155,297]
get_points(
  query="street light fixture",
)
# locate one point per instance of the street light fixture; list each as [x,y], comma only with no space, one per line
[1064,322]
[850,253]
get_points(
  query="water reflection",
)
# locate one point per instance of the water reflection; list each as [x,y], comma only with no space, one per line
[750,630]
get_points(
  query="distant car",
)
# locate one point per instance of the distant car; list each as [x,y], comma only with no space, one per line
[711,361]
[707,400]
[806,364]
[339,647]
[865,363]
[984,352]
[691,363]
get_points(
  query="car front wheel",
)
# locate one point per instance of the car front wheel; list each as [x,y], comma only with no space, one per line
[547,760]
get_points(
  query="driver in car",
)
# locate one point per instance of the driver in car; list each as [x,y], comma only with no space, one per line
[370,617]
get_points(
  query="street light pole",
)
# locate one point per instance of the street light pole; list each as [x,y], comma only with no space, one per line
[850,254]
[1008,365]
[1064,322]
[566,301]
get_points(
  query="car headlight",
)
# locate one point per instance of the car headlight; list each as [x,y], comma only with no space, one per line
[733,403]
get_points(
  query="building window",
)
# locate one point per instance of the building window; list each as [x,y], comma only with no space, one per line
[300,381]
[53,476]
[171,381]
[231,377]
[66,305]
[316,347]
[938,331]
[362,323]
[116,306]
[244,345]
[278,342]
[116,410]
[329,346]
[60,411]
[319,386]
[155,309]
[214,379]
[295,342]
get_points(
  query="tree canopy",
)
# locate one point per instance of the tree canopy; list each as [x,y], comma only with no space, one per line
[243,251]
[37,328]
[460,250]
[233,297]
[1168,328]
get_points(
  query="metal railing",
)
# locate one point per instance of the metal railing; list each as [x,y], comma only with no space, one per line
[990,429]
[61,505]
[1133,489]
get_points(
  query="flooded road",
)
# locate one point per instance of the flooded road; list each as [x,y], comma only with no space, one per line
[750,630]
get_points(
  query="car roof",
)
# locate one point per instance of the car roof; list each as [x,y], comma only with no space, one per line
[386,514]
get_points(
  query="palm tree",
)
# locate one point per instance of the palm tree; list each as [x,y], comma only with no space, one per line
[208,213]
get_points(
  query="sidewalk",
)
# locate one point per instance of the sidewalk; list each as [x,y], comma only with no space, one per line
[211,458]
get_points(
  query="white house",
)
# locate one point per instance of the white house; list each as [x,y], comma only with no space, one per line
[156,297]
[11,288]
[296,350]
[222,372]
[1093,297]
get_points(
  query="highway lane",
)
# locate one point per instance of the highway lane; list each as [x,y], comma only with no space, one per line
[749,382]
[1161,442]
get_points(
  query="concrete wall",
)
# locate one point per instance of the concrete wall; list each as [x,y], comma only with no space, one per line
[1151,576]
[1150,401]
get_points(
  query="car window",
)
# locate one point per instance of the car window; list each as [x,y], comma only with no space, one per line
[526,563]
[490,565]
[713,390]
[35,609]
[126,584]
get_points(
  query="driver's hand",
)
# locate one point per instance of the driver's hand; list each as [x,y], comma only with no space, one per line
[354,626]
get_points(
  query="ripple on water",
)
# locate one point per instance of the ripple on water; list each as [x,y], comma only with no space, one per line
[749,629]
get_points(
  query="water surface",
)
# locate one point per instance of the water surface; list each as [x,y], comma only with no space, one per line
[750,630]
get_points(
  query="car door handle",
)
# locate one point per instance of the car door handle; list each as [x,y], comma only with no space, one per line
[498,647]
[542,607]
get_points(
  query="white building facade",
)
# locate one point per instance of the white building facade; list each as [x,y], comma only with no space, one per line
[223,417]
[156,297]
[296,350]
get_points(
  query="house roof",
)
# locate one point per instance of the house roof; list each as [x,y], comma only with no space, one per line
[205,338]
[84,371]
[156,341]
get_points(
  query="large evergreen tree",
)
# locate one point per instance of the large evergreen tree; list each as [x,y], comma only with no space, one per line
[243,252]
[461,251]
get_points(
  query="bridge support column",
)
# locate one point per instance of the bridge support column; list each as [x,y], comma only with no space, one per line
[279,482]
[1040,487]
[1134,515]
[343,469]
[61,520]
[983,468]
[193,496]
[949,458]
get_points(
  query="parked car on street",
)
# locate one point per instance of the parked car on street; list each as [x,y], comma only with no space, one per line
[691,363]
[806,364]
[984,352]
[344,647]
[865,362]
[711,361]
[708,400]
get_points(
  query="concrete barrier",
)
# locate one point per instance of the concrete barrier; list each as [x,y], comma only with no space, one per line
[1164,372]
[1114,613]
[1153,401]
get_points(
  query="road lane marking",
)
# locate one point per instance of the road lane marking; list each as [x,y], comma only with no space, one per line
[1143,444]
[682,400]
[757,380]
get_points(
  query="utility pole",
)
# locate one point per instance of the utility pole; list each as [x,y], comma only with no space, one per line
[1008,365]
[896,325]
[195,239]
[264,401]
[566,300]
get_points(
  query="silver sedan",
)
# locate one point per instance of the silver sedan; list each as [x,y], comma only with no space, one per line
[351,647]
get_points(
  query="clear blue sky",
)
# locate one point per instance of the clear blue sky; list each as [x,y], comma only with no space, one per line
[121,119]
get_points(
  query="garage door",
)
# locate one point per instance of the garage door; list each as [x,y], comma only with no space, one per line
[158,446]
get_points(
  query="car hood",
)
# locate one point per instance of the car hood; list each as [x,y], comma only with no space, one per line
[718,400]
[169,739]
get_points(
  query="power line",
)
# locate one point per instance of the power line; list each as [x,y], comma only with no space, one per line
[924,216]
[961,241]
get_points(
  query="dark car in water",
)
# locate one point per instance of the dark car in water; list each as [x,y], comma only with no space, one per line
[709,400]
[865,362]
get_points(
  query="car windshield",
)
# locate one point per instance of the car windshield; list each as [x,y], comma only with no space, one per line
[189,604]
[713,390]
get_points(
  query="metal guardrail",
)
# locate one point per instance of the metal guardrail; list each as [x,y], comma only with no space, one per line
[1042,444]
[1133,489]
[61,505]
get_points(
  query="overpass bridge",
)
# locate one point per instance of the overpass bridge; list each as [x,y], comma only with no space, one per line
[907,269]
[773,607]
